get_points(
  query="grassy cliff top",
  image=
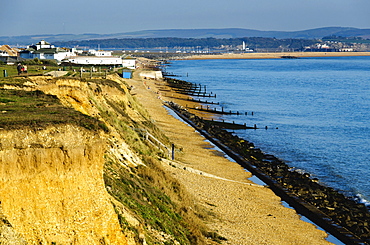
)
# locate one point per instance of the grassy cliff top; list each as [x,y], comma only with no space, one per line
[19,109]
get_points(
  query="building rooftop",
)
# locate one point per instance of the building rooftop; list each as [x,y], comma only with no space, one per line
[10,51]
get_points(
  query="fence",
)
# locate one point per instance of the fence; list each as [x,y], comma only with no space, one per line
[155,142]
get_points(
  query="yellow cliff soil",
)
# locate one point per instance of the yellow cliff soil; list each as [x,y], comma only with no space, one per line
[52,188]
[51,179]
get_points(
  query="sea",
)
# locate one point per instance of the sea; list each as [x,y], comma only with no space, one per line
[312,113]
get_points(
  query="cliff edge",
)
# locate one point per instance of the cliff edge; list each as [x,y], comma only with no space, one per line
[80,163]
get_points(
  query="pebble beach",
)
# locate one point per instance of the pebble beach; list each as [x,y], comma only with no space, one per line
[239,210]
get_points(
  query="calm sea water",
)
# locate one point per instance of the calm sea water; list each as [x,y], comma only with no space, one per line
[316,110]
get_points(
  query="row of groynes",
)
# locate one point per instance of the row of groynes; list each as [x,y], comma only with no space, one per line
[197,90]
[339,215]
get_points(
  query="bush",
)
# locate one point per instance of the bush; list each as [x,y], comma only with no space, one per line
[49,62]
[37,61]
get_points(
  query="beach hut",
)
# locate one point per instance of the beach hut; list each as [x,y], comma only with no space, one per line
[127,74]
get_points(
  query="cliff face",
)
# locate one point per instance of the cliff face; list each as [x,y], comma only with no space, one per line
[78,167]
[52,189]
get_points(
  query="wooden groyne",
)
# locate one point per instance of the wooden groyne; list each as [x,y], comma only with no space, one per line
[189,98]
[187,88]
[339,215]
[215,111]
[203,101]
[199,94]
[228,125]
[191,89]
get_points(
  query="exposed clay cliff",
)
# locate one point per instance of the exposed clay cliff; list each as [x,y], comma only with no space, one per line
[74,167]
[51,176]
[52,188]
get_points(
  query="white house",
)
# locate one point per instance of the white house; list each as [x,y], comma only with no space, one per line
[43,44]
[9,55]
[100,52]
[129,63]
[95,60]
[44,50]
[6,50]
[3,53]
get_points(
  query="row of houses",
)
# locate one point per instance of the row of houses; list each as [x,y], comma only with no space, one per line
[45,50]
[9,55]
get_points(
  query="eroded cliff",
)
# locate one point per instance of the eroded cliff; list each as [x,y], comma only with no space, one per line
[77,167]
[52,188]
[52,163]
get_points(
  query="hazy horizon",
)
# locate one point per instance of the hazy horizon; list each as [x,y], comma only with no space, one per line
[134,31]
[39,17]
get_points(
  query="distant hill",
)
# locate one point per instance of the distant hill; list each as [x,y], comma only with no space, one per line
[317,33]
[239,33]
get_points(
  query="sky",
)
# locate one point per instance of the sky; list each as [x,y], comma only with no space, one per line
[24,17]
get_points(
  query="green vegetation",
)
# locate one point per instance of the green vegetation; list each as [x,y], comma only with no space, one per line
[21,109]
[34,67]
[115,114]
[156,198]
[143,190]
[40,67]
[37,61]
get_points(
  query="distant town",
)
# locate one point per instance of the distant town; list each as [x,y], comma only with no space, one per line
[122,52]
[66,56]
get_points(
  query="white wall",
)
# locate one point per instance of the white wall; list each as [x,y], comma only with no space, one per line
[100,52]
[129,63]
[151,74]
[87,60]
[3,53]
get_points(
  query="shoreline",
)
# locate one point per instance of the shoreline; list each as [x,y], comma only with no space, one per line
[276,55]
[313,213]
[291,186]
[239,211]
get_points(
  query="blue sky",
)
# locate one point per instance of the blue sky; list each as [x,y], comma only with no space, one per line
[24,17]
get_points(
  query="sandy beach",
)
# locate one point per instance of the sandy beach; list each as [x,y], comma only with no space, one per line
[276,55]
[239,210]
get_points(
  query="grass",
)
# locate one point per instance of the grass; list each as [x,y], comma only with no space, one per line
[37,69]
[31,70]
[115,114]
[20,108]
[155,199]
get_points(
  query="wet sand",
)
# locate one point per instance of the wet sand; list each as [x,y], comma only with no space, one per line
[239,210]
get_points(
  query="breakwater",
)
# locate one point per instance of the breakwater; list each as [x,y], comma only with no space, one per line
[342,217]
[197,90]
[187,88]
